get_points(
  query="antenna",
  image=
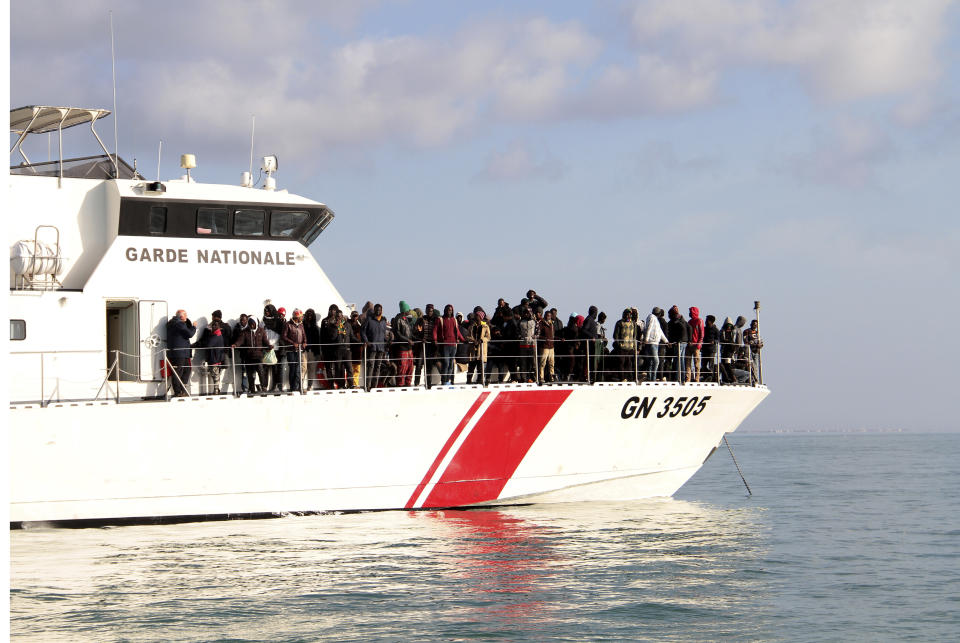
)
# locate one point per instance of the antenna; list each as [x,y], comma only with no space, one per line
[116,141]
[159,152]
[253,126]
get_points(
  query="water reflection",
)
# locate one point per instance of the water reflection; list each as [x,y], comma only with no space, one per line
[524,572]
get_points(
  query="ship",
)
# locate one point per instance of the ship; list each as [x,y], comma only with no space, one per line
[101,258]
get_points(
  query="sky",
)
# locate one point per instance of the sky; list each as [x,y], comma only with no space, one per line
[650,153]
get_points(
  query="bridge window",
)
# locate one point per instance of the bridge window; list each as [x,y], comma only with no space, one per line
[285,224]
[212,221]
[249,223]
[18,330]
[158,220]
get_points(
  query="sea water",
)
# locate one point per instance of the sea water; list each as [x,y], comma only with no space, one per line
[845,537]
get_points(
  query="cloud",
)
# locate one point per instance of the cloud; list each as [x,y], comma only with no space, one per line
[847,153]
[843,50]
[201,69]
[520,162]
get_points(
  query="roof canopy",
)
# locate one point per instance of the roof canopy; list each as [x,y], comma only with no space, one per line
[37,119]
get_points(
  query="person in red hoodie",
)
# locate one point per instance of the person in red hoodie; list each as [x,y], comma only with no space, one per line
[696,343]
[446,333]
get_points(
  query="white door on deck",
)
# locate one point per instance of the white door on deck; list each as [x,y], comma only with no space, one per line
[153,321]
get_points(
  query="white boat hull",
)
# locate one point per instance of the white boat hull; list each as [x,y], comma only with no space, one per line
[354,450]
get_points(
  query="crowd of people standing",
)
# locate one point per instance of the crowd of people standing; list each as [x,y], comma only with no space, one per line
[527,343]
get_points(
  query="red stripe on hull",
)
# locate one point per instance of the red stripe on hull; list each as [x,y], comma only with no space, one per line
[496,446]
[446,447]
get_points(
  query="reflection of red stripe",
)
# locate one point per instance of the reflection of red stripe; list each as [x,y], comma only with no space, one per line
[446,447]
[496,446]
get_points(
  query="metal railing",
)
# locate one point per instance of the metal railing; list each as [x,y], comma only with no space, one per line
[354,365]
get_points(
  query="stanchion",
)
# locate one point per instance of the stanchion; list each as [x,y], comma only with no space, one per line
[536,362]
[587,344]
[116,365]
[233,369]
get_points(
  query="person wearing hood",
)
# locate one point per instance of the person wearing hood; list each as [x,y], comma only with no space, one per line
[751,338]
[403,344]
[504,346]
[711,337]
[446,334]
[528,340]
[252,341]
[653,337]
[273,319]
[678,332]
[695,345]
[428,356]
[328,339]
[480,336]
[738,330]
[294,338]
[728,350]
[312,329]
[625,344]
[212,342]
[374,337]
[590,331]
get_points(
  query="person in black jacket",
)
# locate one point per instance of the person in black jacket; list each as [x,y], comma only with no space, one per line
[212,343]
[252,341]
[711,336]
[313,347]
[179,331]
[678,334]
[590,331]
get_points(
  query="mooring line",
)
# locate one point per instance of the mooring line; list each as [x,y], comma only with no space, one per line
[737,465]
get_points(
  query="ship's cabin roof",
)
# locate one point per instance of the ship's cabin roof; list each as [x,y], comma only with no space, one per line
[39,119]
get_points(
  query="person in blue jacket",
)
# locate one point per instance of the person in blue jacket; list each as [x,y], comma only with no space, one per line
[179,331]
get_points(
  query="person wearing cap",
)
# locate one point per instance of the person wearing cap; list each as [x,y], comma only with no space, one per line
[294,338]
[403,344]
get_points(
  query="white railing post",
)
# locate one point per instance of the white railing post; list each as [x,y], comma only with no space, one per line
[587,342]
[116,365]
[166,376]
[536,362]
[233,369]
